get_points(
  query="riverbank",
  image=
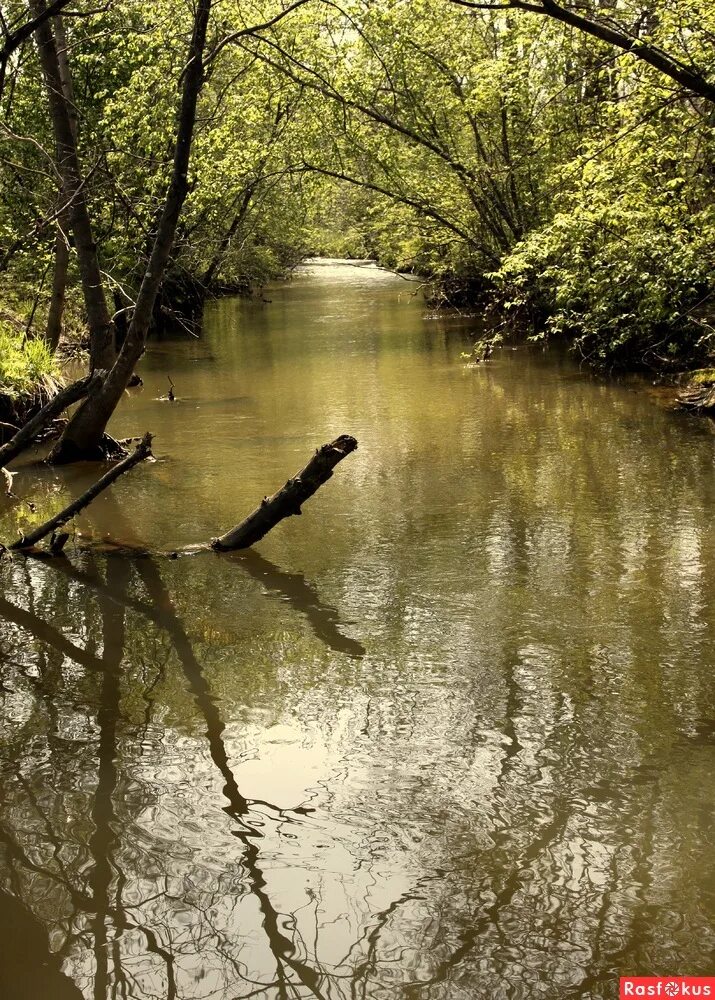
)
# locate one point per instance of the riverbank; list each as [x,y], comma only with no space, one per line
[28,374]
[510,309]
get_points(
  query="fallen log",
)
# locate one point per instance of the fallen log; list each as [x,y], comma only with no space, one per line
[289,499]
[64,398]
[142,451]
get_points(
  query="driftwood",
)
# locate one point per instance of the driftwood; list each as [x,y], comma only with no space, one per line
[142,451]
[289,498]
[64,398]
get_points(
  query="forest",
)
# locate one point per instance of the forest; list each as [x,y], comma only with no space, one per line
[552,163]
[448,734]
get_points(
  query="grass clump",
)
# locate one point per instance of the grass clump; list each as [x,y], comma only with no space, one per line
[26,366]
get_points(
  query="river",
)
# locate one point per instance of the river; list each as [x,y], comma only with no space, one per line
[449,735]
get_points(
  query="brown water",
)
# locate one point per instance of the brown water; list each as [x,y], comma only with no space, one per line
[448,735]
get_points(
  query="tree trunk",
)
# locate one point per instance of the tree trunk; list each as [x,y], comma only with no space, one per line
[101,328]
[289,498]
[53,331]
[225,243]
[82,438]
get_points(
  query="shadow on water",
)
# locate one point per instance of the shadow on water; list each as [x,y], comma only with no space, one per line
[103,839]
[294,971]
[292,587]
[282,948]
[47,633]
[105,877]
[27,974]
[28,970]
[302,596]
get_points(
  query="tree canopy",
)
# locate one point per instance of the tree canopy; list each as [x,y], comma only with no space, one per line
[554,158]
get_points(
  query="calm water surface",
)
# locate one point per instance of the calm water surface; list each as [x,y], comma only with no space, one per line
[448,735]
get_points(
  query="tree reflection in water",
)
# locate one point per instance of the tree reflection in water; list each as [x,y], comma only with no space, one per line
[85,873]
[135,859]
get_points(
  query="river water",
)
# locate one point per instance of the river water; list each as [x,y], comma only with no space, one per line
[450,734]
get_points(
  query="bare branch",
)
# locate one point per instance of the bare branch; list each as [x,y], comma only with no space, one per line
[689,77]
[14,40]
[142,451]
[243,32]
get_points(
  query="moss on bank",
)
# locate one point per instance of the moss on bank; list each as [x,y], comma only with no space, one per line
[702,376]
[29,372]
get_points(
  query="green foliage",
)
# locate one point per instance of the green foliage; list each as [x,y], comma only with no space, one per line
[481,149]
[24,364]
[626,265]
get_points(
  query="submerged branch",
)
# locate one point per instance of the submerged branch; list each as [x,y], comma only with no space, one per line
[286,502]
[289,498]
[142,451]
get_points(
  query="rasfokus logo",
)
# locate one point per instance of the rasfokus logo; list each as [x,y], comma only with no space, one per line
[667,986]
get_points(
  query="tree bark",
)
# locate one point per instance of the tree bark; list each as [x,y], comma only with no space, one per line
[53,331]
[83,436]
[101,328]
[142,451]
[27,434]
[16,38]
[289,498]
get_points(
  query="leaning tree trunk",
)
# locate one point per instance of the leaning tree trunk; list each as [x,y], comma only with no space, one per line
[101,328]
[82,438]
